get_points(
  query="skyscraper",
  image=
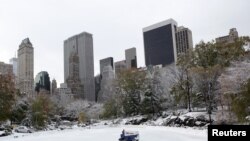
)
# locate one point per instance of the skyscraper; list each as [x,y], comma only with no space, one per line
[106,84]
[106,62]
[42,82]
[160,43]
[26,67]
[106,75]
[131,59]
[82,45]
[53,86]
[184,40]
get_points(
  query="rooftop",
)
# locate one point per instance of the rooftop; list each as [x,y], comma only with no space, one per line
[77,35]
[160,24]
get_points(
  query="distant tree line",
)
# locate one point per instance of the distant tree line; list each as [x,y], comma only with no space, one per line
[192,83]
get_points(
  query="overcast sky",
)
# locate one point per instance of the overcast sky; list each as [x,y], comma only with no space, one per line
[115,24]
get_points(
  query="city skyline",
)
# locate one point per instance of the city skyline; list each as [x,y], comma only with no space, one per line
[48,25]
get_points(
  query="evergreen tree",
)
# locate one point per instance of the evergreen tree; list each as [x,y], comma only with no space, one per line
[132,85]
[151,103]
[19,111]
[112,108]
[241,102]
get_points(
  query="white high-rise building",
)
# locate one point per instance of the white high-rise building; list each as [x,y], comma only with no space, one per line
[106,84]
[82,45]
[26,67]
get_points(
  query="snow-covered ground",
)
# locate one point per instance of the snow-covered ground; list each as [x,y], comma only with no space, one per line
[108,133]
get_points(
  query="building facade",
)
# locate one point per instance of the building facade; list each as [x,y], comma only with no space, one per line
[184,40]
[82,45]
[63,90]
[53,86]
[26,67]
[106,74]
[131,58]
[120,66]
[106,84]
[42,82]
[73,81]
[13,62]
[106,62]
[6,69]
[63,95]
[230,38]
[160,43]
[97,85]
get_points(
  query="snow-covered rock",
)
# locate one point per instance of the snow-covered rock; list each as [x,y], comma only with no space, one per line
[137,120]
[248,118]
[200,123]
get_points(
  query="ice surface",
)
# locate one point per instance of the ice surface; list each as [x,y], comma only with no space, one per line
[101,133]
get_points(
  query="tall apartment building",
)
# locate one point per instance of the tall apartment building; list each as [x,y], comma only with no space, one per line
[26,67]
[106,87]
[106,76]
[106,62]
[230,38]
[108,73]
[131,59]
[160,43]
[53,86]
[184,40]
[82,45]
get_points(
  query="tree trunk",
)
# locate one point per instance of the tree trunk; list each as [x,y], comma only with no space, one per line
[188,93]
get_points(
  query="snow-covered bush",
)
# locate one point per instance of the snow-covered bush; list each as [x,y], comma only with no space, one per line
[90,109]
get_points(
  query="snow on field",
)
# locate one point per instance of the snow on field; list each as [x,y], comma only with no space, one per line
[146,133]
